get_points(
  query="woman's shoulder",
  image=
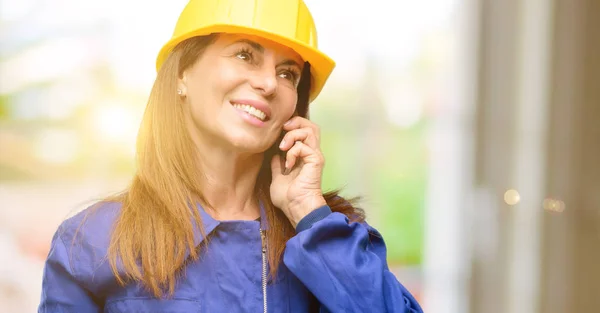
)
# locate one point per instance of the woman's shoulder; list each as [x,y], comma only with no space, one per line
[91,225]
[81,242]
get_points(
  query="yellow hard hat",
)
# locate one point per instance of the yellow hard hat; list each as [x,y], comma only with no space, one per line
[287,22]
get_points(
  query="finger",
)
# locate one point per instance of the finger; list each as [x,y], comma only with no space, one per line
[303,152]
[301,122]
[276,165]
[305,135]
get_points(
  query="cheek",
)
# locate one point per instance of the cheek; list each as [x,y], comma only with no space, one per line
[212,79]
[226,77]
[288,104]
[207,92]
[199,102]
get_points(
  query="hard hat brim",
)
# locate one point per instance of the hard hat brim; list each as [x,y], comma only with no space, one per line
[321,64]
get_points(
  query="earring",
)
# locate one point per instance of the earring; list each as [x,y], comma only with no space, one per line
[179,92]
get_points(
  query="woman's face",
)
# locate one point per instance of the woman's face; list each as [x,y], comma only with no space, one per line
[241,91]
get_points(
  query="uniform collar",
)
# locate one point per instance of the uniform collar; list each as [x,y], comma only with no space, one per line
[210,223]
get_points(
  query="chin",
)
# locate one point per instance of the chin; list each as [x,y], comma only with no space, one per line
[249,144]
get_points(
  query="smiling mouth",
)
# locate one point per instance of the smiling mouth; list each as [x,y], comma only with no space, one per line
[252,111]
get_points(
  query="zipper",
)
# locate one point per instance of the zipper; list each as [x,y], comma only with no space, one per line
[263,240]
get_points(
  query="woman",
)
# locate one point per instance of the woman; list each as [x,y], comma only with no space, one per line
[224,214]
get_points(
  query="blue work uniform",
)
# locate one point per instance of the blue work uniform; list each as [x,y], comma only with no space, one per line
[330,265]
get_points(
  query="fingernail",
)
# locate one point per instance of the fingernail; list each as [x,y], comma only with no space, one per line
[286,165]
[282,144]
[287,123]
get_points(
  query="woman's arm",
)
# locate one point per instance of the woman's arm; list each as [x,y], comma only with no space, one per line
[344,265]
[61,291]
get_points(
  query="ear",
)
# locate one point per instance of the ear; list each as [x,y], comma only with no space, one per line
[182,84]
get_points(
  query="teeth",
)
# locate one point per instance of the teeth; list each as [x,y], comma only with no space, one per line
[251,110]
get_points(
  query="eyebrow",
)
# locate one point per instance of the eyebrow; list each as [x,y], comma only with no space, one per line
[292,63]
[261,49]
[254,45]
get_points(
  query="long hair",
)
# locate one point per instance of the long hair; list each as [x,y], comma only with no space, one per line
[155,226]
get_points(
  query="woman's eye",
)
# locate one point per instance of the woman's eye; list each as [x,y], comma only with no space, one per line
[244,56]
[289,75]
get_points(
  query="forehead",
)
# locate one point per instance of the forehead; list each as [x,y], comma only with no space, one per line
[268,45]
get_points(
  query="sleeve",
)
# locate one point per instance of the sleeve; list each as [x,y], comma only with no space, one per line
[61,291]
[344,265]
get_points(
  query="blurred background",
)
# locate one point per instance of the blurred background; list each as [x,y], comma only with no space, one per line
[470,128]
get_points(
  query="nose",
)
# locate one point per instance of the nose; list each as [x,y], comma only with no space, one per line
[265,80]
